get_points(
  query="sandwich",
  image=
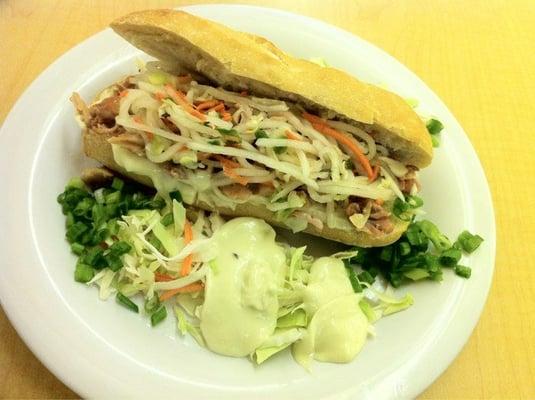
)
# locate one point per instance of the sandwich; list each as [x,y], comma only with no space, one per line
[236,125]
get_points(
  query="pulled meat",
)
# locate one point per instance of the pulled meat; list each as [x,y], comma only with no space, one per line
[236,191]
[379,222]
[409,180]
[102,115]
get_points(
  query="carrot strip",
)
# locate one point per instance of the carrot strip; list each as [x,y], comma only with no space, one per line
[225,161]
[124,93]
[207,104]
[188,261]
[160,96]
[137,119]
[163,277]
[321,126]
[150,136]
[192,287]
[379,202]
[180,98]
[291,135]
[228,170]
[218,108]
[226,116]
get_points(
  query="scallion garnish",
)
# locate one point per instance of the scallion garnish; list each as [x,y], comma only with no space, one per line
[468,242]
[126,302]
[158,316]
[83,273]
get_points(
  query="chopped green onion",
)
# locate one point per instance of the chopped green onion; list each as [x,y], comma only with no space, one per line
[404,248]
[176,195]
[214,142]
[435,141]
[167,219]
[126,302]
[450,257]
[113,197]
[386,253]
[117,184]
[158,316]
[261,134]
[120,248]
[231,132]
[158,203]
[152,304]
[468,242]
[95,258]
[434,126]
[440,241]
[114,262]
[279,149]
[83,273]
[414,201]
[463,271]
[77,183]
[401,210]
[357,287]
[76,231]
[365,276]
[416,274]
[77,248]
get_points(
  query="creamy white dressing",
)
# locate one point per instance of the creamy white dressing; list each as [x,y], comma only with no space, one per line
[338,328]
[241,305]
[163,182]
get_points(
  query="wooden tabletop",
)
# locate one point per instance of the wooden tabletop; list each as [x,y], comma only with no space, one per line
[478,56]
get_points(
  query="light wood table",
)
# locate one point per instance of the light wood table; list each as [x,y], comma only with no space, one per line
[478,56]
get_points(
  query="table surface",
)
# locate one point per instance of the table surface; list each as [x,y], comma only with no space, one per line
[477,56]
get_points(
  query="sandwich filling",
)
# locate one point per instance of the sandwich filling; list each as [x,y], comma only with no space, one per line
[227,148]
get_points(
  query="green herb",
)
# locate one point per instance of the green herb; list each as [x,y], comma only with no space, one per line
[117,184]
[404,210]
[463,271]
[214,142]
[230,135]
[420,253]
[261,134]
[77,248]
[357,287]
[434,126]
[176,195]
[126,302]
[450,257]
[158,316]
[468,242]
[167,219]
[83,273]
[279,149]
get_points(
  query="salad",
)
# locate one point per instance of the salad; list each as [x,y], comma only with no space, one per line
[230,284]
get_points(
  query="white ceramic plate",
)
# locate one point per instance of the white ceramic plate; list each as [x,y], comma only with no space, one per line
[101,351]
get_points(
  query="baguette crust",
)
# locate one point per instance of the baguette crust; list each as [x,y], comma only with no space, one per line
[96,146]
[242,61]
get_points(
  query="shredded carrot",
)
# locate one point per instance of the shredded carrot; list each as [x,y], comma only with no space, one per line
[244,93]
[226,161]
[228,170]
[150,136]
[379,202]
[218,108]
[188,237]
[160,96]
[124,93]
[207,104]
[226,116]
[321,126]
[163,277]
[192,287]
[291,135]
[180,98]
[375,173]
[137,119]
[184,79]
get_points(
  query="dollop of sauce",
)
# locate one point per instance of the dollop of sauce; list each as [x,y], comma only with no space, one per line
[338,328]
[240,308]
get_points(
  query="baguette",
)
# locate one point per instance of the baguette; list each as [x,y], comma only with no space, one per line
[239,62]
